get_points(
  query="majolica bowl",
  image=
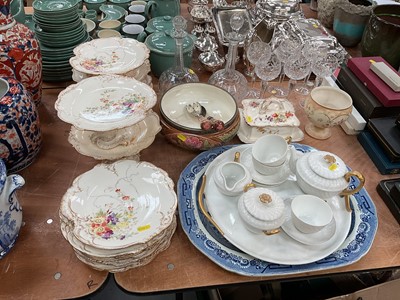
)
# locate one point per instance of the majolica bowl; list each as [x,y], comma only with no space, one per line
[199,142]
[218,104]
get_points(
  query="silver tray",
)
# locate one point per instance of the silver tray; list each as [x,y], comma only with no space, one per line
[221,17]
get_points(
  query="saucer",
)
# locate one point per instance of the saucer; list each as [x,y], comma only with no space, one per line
[274,179]
[317,238]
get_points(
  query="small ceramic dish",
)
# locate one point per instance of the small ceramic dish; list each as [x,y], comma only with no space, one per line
[107,33]
[89,25]
[110,24]
[199,142]
[218,103]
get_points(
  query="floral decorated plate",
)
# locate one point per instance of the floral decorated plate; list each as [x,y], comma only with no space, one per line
[141,135]
[105,102]
[120,204]
[109,56]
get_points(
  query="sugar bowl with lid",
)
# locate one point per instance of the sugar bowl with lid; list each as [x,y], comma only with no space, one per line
[324,175]
[262,210]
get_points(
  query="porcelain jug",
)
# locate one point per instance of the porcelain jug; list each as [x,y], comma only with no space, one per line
[157,8]
[10,210]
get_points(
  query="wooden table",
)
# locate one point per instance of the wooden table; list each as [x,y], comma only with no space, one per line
[42,264]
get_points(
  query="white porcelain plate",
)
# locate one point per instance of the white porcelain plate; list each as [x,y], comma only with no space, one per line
[105,102]
[320,237]
[112,55]
[142,135]
[121,204]
[279,248]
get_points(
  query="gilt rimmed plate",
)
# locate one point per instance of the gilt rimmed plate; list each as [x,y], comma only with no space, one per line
[208,240]
[109,56]
[142,135]
[105,102]
[121,204]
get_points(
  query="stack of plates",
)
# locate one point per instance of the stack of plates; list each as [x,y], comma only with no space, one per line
[114,55]
[112,116]
[119,216]
[59,30]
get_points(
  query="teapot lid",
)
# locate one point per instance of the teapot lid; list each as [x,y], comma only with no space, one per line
[263,204]
[327,165]
[3,175]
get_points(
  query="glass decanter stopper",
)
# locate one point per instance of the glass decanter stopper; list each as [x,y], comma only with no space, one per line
[228,78]
[178,73]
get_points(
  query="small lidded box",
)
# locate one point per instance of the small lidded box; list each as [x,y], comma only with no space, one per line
[268,116]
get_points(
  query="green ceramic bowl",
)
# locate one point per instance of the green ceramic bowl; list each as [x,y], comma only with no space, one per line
[122,3]
[94,4]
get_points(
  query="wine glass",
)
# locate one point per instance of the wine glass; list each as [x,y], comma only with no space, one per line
[323,67]
[268,70]
[257,51]
[287,48]
[296,68]
[312,49]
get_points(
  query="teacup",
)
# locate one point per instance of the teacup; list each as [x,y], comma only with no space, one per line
[135,19]
[134,31]
[106,33]
[137,7]
[110,24]
[269,154]
[231,178]
[310,214]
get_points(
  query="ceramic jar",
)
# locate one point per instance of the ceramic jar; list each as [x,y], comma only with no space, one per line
[162,51]
[20,50]
[381,34]
[160,24]
[262,210]
[325,175]
[20,134]
[10,210]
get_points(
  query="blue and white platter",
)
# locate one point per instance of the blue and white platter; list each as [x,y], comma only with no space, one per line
[207,239]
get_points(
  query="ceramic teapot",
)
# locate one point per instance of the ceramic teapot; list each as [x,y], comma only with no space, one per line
[262,210]
[324,175]
[10,210]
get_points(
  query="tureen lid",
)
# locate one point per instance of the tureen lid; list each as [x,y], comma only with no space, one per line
[161,23]
[163,42]
[326,164]
[263,204]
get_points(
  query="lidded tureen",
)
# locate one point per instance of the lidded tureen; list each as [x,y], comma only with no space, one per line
[324,174]
[262,210]
[268,116]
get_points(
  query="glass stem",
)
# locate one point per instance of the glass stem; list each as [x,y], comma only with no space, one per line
[292,83]
[318,81]
[282,75]
[179,64]
[232,53]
